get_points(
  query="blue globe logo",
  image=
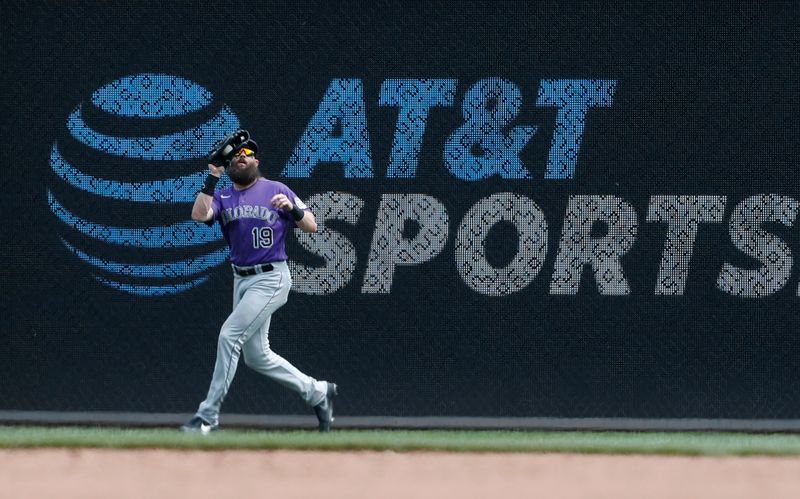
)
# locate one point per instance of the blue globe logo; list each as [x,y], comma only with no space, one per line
[128,172]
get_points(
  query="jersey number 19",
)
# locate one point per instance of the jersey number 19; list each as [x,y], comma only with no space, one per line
[262,237]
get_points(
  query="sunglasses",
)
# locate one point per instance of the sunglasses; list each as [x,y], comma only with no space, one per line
[246,151]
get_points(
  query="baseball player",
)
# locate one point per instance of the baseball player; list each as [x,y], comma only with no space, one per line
[255,214]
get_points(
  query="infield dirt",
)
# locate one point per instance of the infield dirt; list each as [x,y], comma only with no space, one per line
[91,473]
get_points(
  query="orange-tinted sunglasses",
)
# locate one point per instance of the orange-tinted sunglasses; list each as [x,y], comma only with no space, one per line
[246,151]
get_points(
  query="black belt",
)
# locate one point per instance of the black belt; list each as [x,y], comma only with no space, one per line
[257,269]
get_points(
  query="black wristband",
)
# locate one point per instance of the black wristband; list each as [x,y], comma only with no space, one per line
[210,185]
[297,213]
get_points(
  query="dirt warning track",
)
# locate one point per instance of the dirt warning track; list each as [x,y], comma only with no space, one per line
[90,473]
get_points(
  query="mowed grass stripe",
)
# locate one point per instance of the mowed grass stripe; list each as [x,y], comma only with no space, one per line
[677,443]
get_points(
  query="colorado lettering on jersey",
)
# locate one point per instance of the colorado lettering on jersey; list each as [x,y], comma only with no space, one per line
[247,211]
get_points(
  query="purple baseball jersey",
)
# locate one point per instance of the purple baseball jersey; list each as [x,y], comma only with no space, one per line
[253,228]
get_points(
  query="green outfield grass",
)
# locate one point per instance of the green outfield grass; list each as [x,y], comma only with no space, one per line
[402,441]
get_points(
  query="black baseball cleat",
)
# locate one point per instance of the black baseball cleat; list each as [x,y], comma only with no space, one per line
[324,409]
[199,425]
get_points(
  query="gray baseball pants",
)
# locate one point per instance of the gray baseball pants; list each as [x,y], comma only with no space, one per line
[246,331]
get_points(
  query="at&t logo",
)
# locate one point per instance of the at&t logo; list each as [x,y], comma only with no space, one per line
[123,164]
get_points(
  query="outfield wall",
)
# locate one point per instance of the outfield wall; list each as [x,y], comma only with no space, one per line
[550,212]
